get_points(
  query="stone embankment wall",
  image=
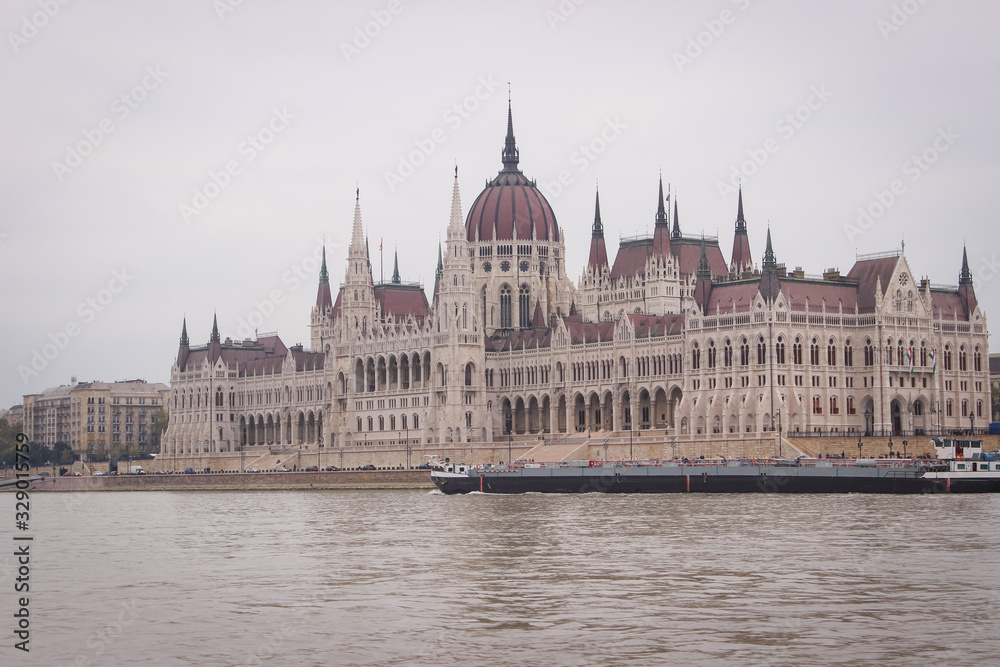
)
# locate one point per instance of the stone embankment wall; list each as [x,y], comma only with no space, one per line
[356,479]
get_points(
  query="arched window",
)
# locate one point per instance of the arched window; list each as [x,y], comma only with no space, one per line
[695,357]
[727,355]
[381,423]
[505,315]
[831,353]
[711,354]
[779,350]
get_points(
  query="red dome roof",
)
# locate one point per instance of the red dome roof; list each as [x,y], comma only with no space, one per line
[511,201]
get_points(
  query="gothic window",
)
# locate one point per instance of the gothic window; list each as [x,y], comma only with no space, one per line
[779,350]
[727,354]
[695,357]
[814,353]
[711,354]
[505,314]
[961,360]
[761,351]
[831,354]
[977,361]
[947,357]
[381,423]
[909,301]
[797,352]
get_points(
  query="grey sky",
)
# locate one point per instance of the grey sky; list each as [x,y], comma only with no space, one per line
[886,81]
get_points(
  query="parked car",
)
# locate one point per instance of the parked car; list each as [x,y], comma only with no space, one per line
[188,471]
[312,469]
[252,470]
[281,469]
[97,473]
[424,466]
[331,468]
[368,467]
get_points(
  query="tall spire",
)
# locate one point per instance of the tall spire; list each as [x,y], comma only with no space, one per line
[598,259]
[676,232]
[742,261]
[741,224]
[769,261]
[661,211]
[357,233]
[440,267]
[510,153]
[215,330]
[395,268]
[965,278]
[598,228]
[457,223]
[324,275]
[184,334]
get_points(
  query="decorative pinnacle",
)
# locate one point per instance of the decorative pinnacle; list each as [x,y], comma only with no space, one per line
[215,330]
[741,223]
[965,278]
[184,334]
[324,275]
[598,229]
[769,261]
[704,271]
[510,153]
[661,212]
[395,268]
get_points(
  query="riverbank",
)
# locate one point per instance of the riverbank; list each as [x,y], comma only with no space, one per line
[269,481]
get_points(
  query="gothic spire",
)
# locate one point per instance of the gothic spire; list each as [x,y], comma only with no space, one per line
[661,211]
[357,233]
[676,232]
[440,268]
[741,224]
[184,334]
[598,229]
[769,261]
[704,270]
[457,221]
[324,275]
[510,153]
[215,330]
[965,278]
[395,268]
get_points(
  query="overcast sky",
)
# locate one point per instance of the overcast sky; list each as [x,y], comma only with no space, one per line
[180,158]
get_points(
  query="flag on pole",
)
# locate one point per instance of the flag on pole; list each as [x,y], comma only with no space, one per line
[909,357]
[933,360]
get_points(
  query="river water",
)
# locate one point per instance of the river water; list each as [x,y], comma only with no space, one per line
[418,578]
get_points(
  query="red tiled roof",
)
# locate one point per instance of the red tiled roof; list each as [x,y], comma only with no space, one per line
[868,272]
[402,301]
[741,250]
[809,295]
[726,297]
[947,305]
[688,253]
[631,258]
[598,253]
[651,326]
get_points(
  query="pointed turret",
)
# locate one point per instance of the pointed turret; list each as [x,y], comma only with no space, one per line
[185,347]
[661,232]
[510,153]
[438,272]
[357,298]
[598,260]
[357,233]
[538,319]
[215,338]
[966,292]
[676,232]
[214,341]
[769,284]
[323,299]
[395,268]
[742,260]
[703,280]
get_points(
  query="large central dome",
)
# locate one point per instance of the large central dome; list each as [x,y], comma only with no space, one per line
[511,207]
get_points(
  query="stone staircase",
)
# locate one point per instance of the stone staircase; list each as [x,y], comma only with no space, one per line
[272,461]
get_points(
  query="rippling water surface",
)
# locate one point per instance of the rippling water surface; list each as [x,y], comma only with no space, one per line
[417,578]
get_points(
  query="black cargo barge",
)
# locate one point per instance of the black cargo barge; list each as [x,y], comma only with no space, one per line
[732,476]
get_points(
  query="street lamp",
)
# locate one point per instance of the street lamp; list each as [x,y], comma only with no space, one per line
[868,415]
[972,421]
[890,445]
[904,446]
[860,445]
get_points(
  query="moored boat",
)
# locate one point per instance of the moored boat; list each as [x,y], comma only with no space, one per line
[968,471]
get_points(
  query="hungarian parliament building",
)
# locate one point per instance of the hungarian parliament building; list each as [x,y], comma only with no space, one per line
[668,336]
